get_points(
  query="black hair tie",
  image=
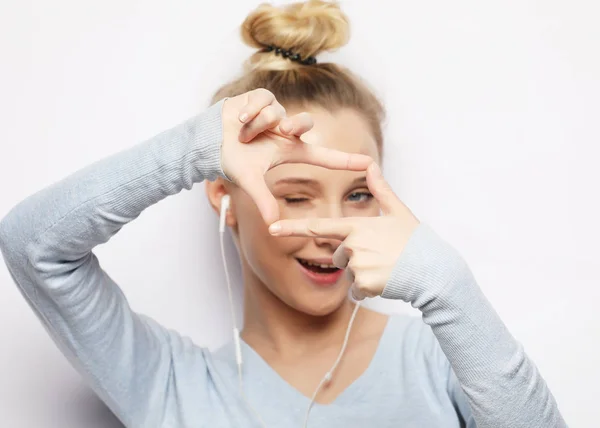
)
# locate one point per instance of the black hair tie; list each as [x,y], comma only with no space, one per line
[291,55]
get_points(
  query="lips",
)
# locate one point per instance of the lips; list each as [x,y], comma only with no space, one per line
[321,272]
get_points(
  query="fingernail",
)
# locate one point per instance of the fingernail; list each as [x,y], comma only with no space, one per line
[274,229]
[243,117]
[285,127]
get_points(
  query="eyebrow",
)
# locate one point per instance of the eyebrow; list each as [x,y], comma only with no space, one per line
[311,182]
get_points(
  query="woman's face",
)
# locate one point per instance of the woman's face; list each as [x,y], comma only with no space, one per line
[299,271]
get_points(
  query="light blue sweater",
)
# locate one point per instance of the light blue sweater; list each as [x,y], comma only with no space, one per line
[460,365]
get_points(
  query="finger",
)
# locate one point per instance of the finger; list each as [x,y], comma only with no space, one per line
[341,256]
[314,227]
[328,158]
[257,100]
[357,294]
[349,274]
[256,188]
[296,125]
[268,118]
[381,190]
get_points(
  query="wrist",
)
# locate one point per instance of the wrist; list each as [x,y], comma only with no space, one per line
[208,142]
[426,267]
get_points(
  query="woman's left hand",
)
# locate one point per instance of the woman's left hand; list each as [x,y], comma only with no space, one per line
[370,246]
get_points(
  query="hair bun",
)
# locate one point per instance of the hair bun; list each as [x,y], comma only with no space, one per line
[305,28]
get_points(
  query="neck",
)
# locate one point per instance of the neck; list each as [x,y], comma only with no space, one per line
[274,327]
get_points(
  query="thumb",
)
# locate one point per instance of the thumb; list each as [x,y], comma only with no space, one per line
[381,190]
[357,294]
[256,188]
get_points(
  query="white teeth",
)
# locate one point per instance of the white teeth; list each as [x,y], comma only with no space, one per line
[324,266]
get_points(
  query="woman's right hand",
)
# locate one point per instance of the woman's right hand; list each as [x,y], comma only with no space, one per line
[257,135]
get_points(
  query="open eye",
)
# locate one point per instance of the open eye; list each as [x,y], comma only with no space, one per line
[362,196]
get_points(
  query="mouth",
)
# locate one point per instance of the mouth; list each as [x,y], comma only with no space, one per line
[317,267]
[320,272]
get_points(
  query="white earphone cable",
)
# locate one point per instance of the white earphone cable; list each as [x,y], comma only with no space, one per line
[236,333]
[329,375]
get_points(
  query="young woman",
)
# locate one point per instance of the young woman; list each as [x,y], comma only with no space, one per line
[306,197]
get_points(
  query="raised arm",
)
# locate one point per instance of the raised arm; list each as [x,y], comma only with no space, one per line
[47,241]
[398,258]
[503,385]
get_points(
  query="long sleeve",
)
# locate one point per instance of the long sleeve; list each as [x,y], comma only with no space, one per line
[503,386]
[47,242]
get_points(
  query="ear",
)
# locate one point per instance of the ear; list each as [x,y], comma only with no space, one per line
[215,190]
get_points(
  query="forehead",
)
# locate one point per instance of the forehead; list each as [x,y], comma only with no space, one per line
[342,129]
[345,130]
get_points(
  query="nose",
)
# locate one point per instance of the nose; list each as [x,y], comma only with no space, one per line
[330,210]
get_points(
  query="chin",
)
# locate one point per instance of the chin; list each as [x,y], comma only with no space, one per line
[316,294]
[322,303]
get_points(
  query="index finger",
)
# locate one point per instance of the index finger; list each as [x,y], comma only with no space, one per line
[334,228]
[328,158]
[256,101]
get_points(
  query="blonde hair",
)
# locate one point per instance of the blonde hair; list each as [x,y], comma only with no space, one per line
[307,29]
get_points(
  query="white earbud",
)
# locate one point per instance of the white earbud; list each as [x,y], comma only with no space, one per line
[225,201]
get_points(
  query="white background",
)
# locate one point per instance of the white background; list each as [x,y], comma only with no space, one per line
[492,139]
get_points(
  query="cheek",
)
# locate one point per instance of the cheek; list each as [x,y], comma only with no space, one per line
[268,257]
[315,209]
[263,252]
[359,210]
[372,211]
